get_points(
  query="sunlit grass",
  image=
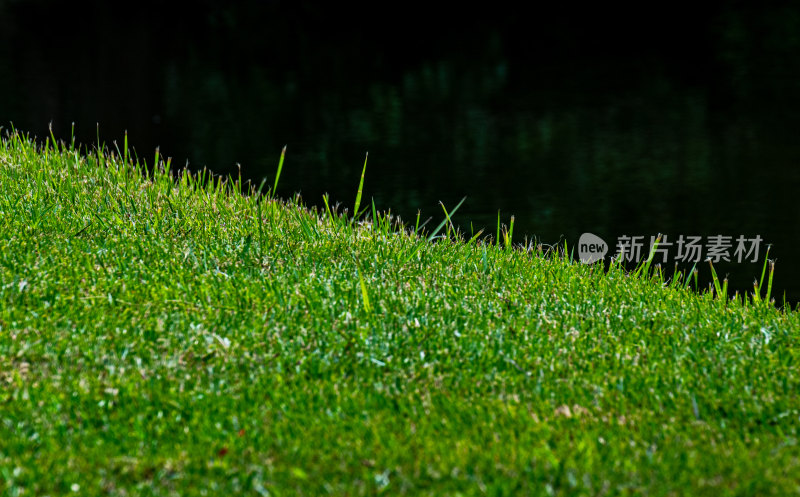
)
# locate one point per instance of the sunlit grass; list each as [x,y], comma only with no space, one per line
[162,333]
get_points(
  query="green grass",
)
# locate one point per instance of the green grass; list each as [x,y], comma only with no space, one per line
[163,334]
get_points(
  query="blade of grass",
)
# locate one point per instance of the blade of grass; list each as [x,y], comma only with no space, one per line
[260,222]
[763,271]
[328,208]
[725,290]
[446,220]
[714,278]
[475,237]
[689,275]
[435,232]
[508,235]
[447,217]
[363,285]
[364,294]
[50,127]
[360,189]
[645,267]
[278,174]
[769,283]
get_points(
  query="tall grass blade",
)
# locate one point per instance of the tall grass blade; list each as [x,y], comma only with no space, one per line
[260,221]
[644,268]
[692,272]
[328,207]
[567,252]
[447,217]
[446,220]
[280,168]
[769,283]
[475,237]
[435,232]
[714,279]
[763,271]
[52,137]
[364,293]
[363,285]
[360,188]
[509,234]
[306,227]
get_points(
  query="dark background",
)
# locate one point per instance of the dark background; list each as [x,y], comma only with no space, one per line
[613,120]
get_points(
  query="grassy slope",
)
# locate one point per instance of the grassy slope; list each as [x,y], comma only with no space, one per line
[154,338]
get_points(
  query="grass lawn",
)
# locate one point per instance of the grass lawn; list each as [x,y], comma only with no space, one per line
[167,335]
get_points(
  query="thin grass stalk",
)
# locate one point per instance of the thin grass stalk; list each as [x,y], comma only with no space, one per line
[360,189]
[278,174]
[769,283]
